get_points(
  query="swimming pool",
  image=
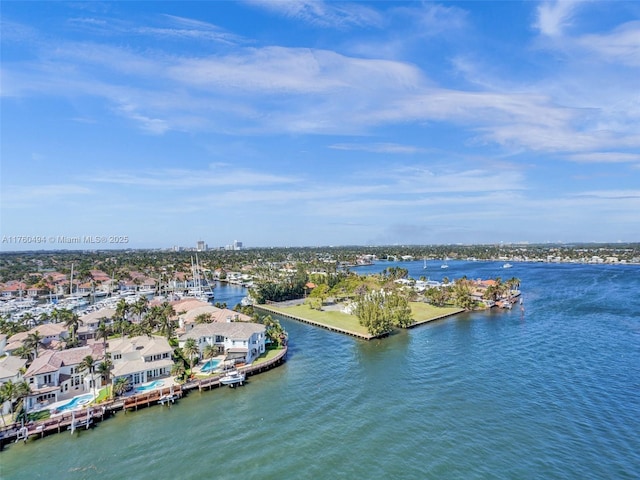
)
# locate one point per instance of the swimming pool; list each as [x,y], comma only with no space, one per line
[150,386]
[210,366]
[76,402]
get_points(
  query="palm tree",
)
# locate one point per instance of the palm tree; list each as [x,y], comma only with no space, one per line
[140,307]
[28,319]
[104,369]
[13,392]
[87,364]
[72,322]
[166,324]
[209,351]
[190,350]
[32,342]
[177,370]
[122,309]
[121,385]
[102,332]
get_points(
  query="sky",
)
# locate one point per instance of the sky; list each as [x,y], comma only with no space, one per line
[298,123]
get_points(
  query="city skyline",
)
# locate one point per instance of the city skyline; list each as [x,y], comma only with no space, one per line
[318,123]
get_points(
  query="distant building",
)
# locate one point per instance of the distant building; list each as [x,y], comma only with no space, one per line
[201,246]
[237,245]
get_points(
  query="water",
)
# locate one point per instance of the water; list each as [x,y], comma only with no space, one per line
[150,386]
[551,394]
[210,366]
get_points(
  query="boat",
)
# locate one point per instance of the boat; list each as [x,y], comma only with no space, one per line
[507,265]
[445,265]
[232,378]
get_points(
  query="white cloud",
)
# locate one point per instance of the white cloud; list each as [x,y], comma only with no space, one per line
[555,16]
[392,148]
[187,179]
[323,14]
[605,157]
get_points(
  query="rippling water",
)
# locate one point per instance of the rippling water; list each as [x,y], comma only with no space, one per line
[553,393]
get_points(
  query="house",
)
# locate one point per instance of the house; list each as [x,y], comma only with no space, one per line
[13,289]
[141,358]
[90,322]
[55,375]
[187,319]
[51,334]
[238,341]
[10,368]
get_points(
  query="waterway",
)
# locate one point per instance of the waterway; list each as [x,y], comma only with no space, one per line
[553,392]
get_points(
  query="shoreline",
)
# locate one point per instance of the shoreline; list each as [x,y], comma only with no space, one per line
[84,418]
[362,336]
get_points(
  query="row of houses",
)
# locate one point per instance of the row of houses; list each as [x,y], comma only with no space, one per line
[56,375]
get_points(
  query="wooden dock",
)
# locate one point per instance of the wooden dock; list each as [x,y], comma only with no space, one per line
[85,418]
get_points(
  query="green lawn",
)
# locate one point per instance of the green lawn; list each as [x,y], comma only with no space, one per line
[103,394]
[266,356]
[423,311]
[330,318]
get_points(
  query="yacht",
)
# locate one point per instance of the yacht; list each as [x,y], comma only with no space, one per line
[232,378]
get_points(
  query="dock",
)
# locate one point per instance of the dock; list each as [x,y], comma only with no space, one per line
[86,418]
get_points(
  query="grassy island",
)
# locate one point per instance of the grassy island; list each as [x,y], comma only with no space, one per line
[333,318]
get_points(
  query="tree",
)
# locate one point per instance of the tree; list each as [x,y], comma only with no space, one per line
[140,307]
[88,365]
[104,369]
[32,342]
[13,392]
[121,385]
[371,314]
[398,310]
[178,371]
[320,292]
[102,332]
[203,318]
[122,310]
[72,322]
[190,350]
[166,323]
[274,331]
[462,294]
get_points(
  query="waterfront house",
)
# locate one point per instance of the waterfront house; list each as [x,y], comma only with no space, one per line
[10,370]
[141,358]
[56,375]
[51,335]
[91,321]
[238,341]
[186,320]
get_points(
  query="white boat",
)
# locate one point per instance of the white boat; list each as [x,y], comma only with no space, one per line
[232,378]
[507,265]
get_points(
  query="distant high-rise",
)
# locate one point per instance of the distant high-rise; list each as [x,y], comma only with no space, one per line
[201,246]
[237,245]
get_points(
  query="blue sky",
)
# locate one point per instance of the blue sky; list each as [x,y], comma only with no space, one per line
[320,123]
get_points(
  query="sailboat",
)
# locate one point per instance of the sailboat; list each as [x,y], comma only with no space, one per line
[444,265]
[424,267]
[201,290]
